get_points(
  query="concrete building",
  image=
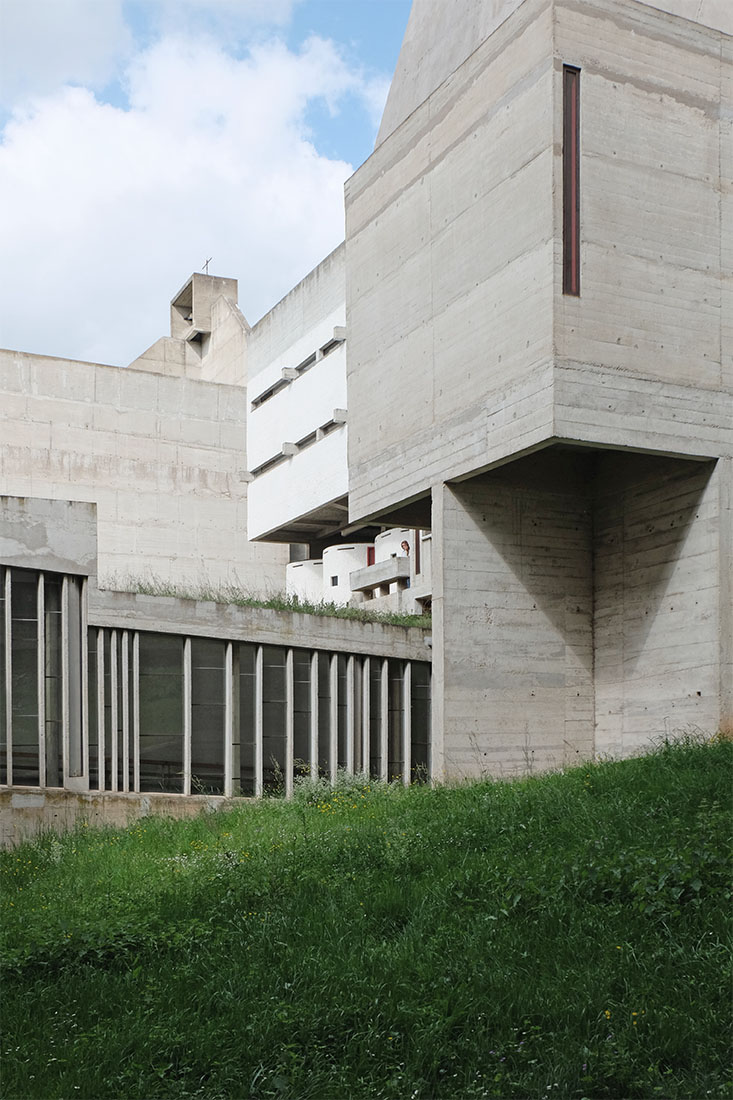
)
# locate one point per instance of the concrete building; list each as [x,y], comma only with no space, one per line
[539,367]
[519,363]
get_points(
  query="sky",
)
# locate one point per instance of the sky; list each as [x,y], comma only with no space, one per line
[139,138]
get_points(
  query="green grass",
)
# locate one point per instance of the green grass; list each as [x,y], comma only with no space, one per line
[231,594]
[557,936]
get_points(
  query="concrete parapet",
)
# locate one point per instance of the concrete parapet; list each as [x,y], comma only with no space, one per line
[262,625]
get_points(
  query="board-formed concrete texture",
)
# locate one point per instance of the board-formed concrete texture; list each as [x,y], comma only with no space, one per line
[582,597]
[55,535]
[568,456]
[158,447]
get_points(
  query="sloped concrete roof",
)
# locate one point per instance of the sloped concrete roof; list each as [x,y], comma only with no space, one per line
[441,35]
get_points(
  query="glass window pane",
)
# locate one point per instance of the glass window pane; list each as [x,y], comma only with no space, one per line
[247,658]
[24,680]
[161,712]
[207,716]
[301,711]
[342,710]
[324,713]
[395,763]
[273,718]
[375,716]
[52,587]
[420,722]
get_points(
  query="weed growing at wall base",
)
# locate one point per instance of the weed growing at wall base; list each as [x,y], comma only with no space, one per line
[556,936]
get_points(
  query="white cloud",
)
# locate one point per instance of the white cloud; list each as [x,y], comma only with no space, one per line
[104,212]
[45,43]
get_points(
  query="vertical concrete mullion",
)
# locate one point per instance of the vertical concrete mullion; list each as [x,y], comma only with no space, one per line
[384,721]
[84,673]
[41,677]
[65,718]
[258,722]
[333,746]
[313,739]
[101,747]
[136,711]
[8,673]
[407,723]
[228,721]
[289,723]
[365,715]
[125,686]
[350,715]
[113,785]
[187,716]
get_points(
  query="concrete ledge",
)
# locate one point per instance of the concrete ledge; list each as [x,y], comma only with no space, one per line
[26,812]
[381,573]
[261,625]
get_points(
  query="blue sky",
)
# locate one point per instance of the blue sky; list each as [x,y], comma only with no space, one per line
[141,136]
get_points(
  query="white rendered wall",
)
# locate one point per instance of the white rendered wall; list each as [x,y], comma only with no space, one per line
[389,543]
[339,562]
[162,458]
[300,407]
[304,579]
[296,328]
[312,477]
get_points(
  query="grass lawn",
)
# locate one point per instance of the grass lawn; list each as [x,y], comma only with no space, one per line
[558,936]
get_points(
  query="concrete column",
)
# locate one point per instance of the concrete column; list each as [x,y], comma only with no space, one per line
[333,748]
[313,728]
[289,723]
[725,504]
[125,682]
[258,723]
[407,723]
[136,711]
[365,715]
[41,678]
[113,718]
[186,715]
[101,750]
[228,721]
[8,673]
[350,714]
[384,722]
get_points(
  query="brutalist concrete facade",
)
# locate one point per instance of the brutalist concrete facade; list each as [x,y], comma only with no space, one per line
[572,452]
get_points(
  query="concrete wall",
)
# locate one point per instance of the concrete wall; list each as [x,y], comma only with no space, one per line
[581,603]
[261,625]
[55,535]
[663,604]
[25,813]
[450,272]
[652,151]
[439,37]
[512,614]
[162,458]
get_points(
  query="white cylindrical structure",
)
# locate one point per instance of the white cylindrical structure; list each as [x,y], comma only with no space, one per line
[304,579]
[389,543]
[338,562]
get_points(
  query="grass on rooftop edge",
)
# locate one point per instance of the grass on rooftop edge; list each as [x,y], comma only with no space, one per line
[558,936]
[231,594]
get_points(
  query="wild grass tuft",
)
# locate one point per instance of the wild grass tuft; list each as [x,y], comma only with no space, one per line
[279,601]
[557,936]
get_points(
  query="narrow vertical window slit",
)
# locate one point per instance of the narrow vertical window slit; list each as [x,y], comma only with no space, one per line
[571,180]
